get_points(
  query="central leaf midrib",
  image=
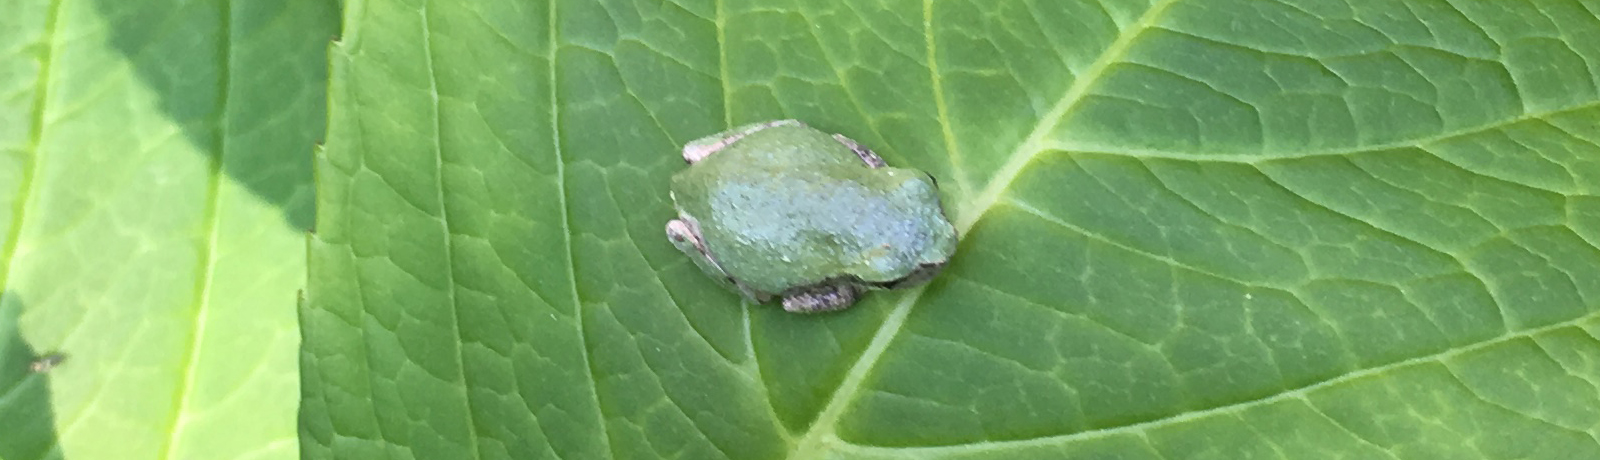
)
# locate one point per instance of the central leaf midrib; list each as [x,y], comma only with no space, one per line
[823,427]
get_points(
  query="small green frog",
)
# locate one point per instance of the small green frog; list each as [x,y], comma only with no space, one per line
[782,209]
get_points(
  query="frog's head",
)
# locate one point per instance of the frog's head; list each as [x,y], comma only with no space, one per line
[926,240]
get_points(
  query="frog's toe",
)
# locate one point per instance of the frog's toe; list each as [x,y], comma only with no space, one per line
[682,235]
[696,151]
[677,230]
[821,299]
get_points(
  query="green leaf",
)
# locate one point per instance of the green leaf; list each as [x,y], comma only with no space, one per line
[1191,229]
[154,197]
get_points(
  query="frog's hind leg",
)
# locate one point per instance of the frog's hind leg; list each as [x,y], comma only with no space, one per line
[821,298]
[699,149]
[871,159]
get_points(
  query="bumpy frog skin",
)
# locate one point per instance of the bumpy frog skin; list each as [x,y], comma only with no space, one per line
[779,209]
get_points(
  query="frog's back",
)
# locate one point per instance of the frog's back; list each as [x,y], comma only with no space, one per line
[778,224]
[788,147]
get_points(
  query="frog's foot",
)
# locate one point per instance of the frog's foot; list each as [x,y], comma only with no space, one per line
[701,148]
[871,159]
[817,299]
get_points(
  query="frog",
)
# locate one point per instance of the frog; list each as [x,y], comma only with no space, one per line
[779,209]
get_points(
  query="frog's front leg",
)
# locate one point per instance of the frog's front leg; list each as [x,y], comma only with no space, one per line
[699,149]
[817,299]
[685,235]
[871,159]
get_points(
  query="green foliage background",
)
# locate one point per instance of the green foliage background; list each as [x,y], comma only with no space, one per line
[1192,229]
[154,195]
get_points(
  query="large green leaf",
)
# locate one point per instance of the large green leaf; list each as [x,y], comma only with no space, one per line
[1192,229]
[154,185]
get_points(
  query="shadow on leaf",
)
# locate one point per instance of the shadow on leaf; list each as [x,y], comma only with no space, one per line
[25,411]
[233,74]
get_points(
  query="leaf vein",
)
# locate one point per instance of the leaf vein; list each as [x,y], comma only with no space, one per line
[1461,263]
[1035,143]
[35,135]
[585,350]
[1344,427]
[1176,419]
[1499,405]
[721,23]
[1036,212]
[207,254]
[821,429]
[1255,159]
[936,86]
[448,234]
